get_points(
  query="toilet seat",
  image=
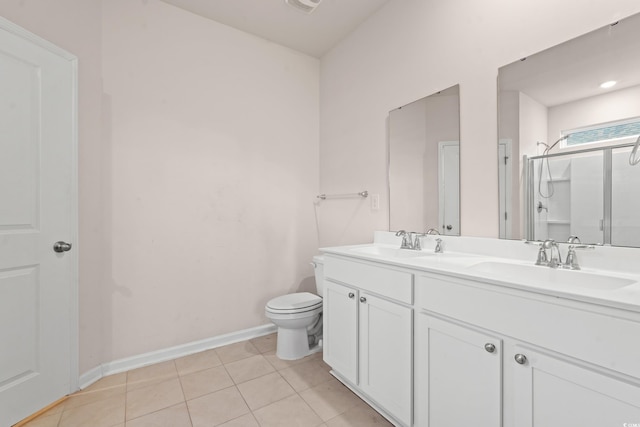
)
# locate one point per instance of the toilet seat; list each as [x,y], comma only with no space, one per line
[300,302]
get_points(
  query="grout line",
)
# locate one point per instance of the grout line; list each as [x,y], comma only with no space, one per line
[316,362]
[184,396]
[126,396]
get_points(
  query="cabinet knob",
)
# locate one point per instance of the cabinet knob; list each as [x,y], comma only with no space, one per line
[363,299]
[520,358]
[490,347]
[351,295]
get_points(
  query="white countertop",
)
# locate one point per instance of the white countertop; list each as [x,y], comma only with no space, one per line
[608,276]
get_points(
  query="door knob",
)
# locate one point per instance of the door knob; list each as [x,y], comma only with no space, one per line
[363,299]
[61,246]
[449,227]
[351,295]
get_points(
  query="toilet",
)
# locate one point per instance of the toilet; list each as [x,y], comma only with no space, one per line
[299,319]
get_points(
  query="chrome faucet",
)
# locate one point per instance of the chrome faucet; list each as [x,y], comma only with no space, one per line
[570,263]
[407,243]
[432,231]
[554,262]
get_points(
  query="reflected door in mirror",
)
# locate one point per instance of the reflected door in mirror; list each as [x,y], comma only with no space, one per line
[424,182]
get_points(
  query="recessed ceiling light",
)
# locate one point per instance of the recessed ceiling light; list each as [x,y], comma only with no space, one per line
[607,85]
[306,6]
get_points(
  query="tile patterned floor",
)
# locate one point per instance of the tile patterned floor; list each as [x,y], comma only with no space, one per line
[239,385]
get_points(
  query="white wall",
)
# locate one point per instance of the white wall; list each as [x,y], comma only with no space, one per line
[198,171]
[533,128]
[407,153]
[213,170]
[413,48]
[617,105]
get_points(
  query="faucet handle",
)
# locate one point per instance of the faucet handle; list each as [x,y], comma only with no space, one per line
[572,259]
[438,248]
[417,245]
[542,257]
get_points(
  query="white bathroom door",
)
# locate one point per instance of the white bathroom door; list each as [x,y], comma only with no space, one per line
[38,290]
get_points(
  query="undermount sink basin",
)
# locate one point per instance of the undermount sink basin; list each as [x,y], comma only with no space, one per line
[549,277]
[384,251]
[391,253]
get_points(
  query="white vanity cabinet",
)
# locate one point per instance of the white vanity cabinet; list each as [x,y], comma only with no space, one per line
[459,375]
[340,329]
[553,363]
[368,333]
[551,391]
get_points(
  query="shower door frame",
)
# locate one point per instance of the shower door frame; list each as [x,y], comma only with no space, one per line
[607,172]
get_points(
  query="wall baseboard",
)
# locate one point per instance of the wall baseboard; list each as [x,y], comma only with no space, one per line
[133,362]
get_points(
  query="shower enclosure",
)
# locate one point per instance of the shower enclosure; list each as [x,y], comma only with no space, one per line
[591,193]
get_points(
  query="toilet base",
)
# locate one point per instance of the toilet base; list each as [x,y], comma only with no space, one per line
[293,344]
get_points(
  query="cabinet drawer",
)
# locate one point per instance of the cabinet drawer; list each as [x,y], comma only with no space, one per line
[385,281]
[597,338]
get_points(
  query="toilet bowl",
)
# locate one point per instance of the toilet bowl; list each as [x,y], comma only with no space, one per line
[298,317]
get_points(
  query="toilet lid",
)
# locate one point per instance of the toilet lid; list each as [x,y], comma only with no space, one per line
[301,301]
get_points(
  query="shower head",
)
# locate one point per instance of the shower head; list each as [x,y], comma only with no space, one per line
[563,137]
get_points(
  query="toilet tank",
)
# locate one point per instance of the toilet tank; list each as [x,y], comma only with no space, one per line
[318,265]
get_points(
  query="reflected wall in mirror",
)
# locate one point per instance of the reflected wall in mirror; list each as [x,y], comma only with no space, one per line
[565,139]
[424,164]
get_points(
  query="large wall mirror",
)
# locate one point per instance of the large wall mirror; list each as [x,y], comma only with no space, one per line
[424,164]
[568,120]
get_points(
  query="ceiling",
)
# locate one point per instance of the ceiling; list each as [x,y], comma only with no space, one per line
[575,69]
[274,20]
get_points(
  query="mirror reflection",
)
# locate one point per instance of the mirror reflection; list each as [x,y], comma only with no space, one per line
[569,118]
[424,166]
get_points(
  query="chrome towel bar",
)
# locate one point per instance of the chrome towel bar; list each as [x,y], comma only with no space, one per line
[343,196]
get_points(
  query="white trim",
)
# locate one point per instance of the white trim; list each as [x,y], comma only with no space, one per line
[170,353]
[505,225]
[442,192]
[90,377]
[9,26]
[74,305]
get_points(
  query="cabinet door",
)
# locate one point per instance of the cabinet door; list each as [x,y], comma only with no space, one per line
[386,336]
[459,374]
[550,392]
[340,329]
